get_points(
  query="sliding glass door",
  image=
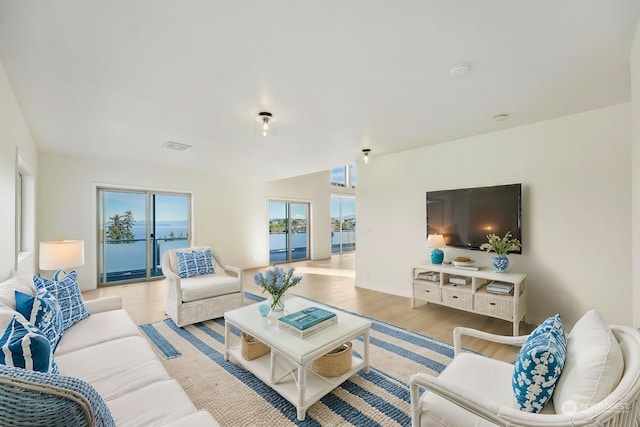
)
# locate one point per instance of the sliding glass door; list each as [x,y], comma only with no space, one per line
[135,228]
[343,224]
[288,231]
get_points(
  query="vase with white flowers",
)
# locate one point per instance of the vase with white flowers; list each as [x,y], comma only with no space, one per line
[501,246]
[276,282]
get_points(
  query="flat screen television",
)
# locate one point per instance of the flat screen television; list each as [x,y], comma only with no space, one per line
[465,216]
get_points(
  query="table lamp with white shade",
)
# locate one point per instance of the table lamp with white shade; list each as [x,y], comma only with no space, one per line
[60,255]
[436,241]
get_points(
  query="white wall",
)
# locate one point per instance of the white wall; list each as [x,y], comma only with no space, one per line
[316,190]
[229,211]
[635,124]
[576,176]
[15,140]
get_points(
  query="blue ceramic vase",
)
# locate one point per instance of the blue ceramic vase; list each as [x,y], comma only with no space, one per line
[500,263]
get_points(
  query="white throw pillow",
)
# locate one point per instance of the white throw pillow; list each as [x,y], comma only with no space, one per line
[593,367]
[16,283]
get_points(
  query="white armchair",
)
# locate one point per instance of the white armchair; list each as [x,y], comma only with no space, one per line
[474,390]
[195,299]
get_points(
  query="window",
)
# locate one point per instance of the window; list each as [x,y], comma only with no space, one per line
[343,224]
[136,227]
[344,176]
[339,176]
[288,231]
[19,212]
[25,211]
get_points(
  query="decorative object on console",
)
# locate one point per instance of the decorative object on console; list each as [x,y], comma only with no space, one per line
[276,282]
[501,246]
[61,254]
[436,241]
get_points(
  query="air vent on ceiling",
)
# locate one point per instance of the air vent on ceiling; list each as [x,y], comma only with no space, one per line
[176,146]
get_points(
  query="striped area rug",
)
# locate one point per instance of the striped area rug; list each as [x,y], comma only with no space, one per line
[194,356]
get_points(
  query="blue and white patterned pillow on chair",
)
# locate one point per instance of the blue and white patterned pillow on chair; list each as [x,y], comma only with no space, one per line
[194,263]
[67,293]
[22,345]
[539,365]
[43,312]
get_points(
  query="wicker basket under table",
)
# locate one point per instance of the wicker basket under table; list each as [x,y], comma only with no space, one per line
[252,348]
[334,363]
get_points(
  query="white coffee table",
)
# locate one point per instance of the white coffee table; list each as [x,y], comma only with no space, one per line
[286,369]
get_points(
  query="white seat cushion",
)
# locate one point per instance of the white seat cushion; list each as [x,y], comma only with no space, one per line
[593,367]
[207,286]
[157,404]
[95,329]
[491,377]
[200,418]
[114,368]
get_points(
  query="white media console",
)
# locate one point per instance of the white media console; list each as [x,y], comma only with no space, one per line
[473,296]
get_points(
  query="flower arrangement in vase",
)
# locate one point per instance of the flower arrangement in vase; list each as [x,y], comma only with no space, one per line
[276,282]
[501,246]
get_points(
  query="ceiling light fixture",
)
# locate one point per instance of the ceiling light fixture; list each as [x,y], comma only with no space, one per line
[365,152]
[176,146]
[460,70]
[265,119]
[500,117]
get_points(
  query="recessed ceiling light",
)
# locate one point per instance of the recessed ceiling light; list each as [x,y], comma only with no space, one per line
[500,117]
[460,70]
[176,146]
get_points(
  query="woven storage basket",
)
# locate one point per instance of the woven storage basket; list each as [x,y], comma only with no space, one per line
[252,348]
[334,363]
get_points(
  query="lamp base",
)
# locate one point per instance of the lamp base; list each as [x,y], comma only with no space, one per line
[437,256]
[56,275]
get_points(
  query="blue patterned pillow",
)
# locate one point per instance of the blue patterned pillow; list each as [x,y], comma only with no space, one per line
[27,400]
[539,365]
[194,263]
[67,293]
[22,345]
[43,312]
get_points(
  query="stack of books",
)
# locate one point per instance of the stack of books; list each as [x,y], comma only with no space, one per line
[500,288]
[429,275]
[307,322]
[460,280]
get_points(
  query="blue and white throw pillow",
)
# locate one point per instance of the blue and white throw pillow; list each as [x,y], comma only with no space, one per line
[43,312]
[67,293]
[539,365]
[22,345]
[194,263]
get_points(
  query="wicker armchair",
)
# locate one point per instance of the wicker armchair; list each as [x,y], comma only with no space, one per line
[476,390]
[196,299]
[30,398]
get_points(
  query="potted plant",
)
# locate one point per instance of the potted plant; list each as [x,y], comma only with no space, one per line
[276,282]
[501,246]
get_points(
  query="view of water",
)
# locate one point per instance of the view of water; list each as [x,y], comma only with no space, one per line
[123,257]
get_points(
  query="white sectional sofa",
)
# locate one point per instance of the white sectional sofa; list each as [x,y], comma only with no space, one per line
[107,351]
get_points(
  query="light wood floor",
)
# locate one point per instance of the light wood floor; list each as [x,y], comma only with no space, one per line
[331,281]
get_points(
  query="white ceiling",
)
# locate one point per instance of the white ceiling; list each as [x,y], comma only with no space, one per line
[119,78]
